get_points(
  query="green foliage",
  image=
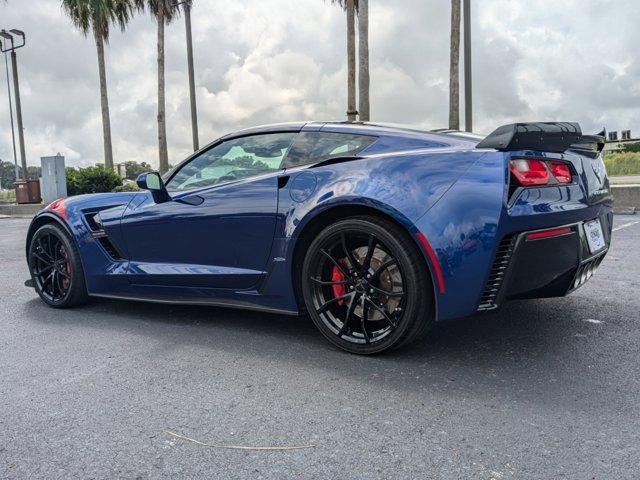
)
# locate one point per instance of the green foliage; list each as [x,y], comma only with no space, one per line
[7,174]
[631,147]
[626,163]
[133,169]
[98,15]
[91,180]
[127,187]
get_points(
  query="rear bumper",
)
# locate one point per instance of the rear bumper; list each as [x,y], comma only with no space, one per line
[528,267]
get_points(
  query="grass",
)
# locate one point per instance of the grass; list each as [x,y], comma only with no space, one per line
[627,163]
[8,195]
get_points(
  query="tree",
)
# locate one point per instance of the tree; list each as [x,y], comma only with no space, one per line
[133,169]
[454,82]
[7,175]
[363,60]
[350,6]
[97,16]
[164,12]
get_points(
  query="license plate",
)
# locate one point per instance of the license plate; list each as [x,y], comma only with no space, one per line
[595,238]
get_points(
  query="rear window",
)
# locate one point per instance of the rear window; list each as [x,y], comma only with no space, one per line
[312,147]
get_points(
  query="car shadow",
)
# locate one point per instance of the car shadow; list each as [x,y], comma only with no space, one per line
[507,351]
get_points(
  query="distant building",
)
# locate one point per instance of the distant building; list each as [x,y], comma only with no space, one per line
[615,144]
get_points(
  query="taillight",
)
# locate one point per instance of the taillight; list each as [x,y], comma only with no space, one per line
[530,172]
[561,172]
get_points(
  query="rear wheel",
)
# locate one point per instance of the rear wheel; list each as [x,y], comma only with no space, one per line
[56,269]
[366,286]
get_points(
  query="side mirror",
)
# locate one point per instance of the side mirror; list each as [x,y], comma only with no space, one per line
[153,182]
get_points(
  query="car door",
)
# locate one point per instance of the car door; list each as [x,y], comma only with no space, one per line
[217,228]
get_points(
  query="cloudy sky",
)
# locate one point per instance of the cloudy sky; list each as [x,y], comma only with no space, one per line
[263,61]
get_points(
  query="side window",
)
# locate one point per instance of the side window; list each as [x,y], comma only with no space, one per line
[234,159]
[310,147]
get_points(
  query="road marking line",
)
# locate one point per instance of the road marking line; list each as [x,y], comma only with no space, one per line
[625,225]
[593,320]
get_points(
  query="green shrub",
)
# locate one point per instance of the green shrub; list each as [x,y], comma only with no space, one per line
[631,147]
[627,163]
[91,180]
[128,187]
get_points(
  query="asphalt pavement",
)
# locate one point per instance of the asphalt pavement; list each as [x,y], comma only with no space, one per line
[542,389]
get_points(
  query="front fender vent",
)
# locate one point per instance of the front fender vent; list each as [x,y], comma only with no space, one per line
[489,298]
[110,248]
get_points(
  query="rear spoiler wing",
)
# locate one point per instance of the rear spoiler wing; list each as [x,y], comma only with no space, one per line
[555,137]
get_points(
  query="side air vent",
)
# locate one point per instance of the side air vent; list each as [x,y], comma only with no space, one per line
[110,248]
[498,271]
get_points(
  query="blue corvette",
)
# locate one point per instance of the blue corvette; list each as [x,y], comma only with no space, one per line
[375,232]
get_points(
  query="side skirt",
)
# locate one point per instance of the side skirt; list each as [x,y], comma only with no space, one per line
[210,303]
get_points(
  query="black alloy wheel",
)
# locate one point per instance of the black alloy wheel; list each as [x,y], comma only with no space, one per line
[56,270]
[366,286]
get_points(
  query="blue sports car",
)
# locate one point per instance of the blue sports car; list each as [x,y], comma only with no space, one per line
[375,232]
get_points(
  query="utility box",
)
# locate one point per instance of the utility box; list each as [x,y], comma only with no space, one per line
[27,191]
[53,182]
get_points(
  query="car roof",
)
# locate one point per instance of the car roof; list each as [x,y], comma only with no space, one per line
[354,127]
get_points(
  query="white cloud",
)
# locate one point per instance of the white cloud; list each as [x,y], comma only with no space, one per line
[263,61]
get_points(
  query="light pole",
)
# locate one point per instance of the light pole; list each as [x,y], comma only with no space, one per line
[13,133]
[16,89]
[468,105]
[186,5]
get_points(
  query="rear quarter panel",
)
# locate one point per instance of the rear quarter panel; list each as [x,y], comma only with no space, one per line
[403,186]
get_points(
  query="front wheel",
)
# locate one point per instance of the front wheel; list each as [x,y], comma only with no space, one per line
[366,286]
[56,269]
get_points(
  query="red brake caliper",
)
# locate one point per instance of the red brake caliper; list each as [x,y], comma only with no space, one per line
[341,289]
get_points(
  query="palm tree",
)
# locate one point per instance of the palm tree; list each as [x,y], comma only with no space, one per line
[164,12]
[97,16]
[454,82]
[350,6]
[363,60]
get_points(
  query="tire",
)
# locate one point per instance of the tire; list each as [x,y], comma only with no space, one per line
[366,286]
[56,268]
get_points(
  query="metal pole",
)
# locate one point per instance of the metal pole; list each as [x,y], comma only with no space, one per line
[468,99]
[192,82]
[16,89]
[13,133]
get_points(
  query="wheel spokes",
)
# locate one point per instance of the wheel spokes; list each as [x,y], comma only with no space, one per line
[382,268]
[386,292]
[50,267]
[355,265]
[364,319]
[42,259]
[350,309]
[328,283]
[335,262]
[371,246]
[389,320]
[44,250]
[355,292]
[323,308]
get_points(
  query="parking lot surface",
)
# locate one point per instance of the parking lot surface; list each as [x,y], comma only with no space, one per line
[541,389]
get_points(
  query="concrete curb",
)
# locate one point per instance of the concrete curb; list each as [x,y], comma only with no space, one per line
[626,198]
[26,210]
